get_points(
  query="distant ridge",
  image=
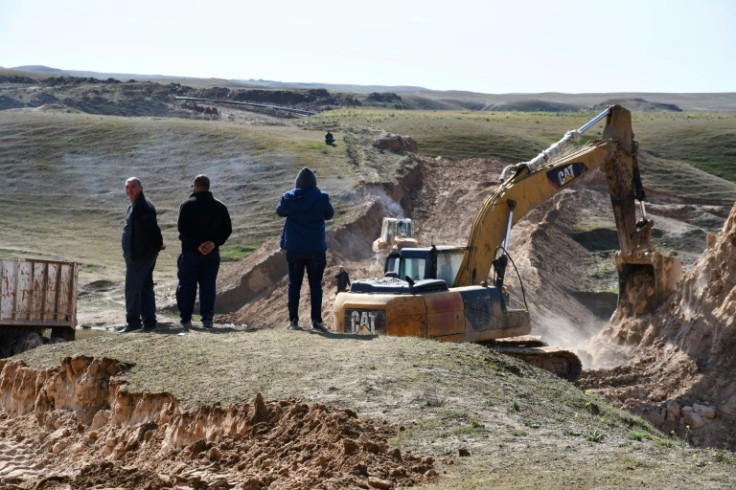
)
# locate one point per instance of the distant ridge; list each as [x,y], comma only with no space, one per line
[249,83]
[415,97]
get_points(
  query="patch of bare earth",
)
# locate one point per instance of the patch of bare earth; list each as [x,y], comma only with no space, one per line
[76,426]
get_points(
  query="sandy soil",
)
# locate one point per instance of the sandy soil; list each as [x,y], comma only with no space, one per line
[150,441]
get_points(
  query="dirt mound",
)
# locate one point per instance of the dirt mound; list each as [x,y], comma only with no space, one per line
[680,375]
[76,426]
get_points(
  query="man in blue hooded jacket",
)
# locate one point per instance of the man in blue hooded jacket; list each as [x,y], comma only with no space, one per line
[305,208]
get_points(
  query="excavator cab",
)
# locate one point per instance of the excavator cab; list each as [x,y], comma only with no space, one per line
[435,262]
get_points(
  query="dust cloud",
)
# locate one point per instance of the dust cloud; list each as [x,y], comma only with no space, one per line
[679,376]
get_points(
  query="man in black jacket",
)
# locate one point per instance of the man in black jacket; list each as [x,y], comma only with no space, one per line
[204,225]
[141,243]
[342,279]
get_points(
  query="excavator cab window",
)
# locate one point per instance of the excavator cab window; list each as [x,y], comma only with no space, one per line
[413,267]
[403,229]
[392,266]
[447,266]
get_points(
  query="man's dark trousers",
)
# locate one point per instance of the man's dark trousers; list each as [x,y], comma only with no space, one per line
[193,269]
[140,300]
[315,264]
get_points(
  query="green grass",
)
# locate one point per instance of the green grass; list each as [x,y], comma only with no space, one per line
[236,253]
[704,140]
[638,435]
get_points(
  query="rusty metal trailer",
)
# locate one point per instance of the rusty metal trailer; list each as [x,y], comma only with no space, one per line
[36,296]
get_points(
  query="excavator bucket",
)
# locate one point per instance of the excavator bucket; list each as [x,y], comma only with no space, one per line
[645,281]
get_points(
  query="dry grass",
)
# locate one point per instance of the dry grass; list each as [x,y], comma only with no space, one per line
[64,176]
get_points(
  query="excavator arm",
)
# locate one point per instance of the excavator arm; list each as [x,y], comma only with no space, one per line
[513,199]
[524,186]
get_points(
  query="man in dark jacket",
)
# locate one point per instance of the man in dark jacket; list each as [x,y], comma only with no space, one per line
[141,243]
[305,208]
[342,279]
[204,226]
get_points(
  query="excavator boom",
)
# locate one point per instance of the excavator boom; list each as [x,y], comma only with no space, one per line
[645,276]
[522,192]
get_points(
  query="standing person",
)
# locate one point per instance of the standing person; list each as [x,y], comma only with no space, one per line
[141,242]
[343,279]
[305,208]
[204,226]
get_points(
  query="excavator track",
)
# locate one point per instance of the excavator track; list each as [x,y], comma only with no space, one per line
[560,362]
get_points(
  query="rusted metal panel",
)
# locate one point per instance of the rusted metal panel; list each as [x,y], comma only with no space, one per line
[445,314]
[406,316]
[38,293]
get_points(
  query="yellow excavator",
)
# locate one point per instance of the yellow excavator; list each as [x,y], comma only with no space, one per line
[443,293]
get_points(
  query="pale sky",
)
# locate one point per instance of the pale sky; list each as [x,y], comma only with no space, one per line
[485,46]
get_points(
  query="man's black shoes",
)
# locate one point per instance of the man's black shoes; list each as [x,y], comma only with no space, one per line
[130,328]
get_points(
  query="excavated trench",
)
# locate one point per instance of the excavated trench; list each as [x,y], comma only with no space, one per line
[77,426]
[679,362]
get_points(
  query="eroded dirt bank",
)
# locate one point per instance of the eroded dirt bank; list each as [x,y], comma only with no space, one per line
[76,426]
[677,366]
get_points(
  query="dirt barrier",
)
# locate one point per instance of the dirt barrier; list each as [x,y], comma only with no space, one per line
[76,426]
[679,364]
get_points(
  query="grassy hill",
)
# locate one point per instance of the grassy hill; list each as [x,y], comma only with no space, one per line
[64,170]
